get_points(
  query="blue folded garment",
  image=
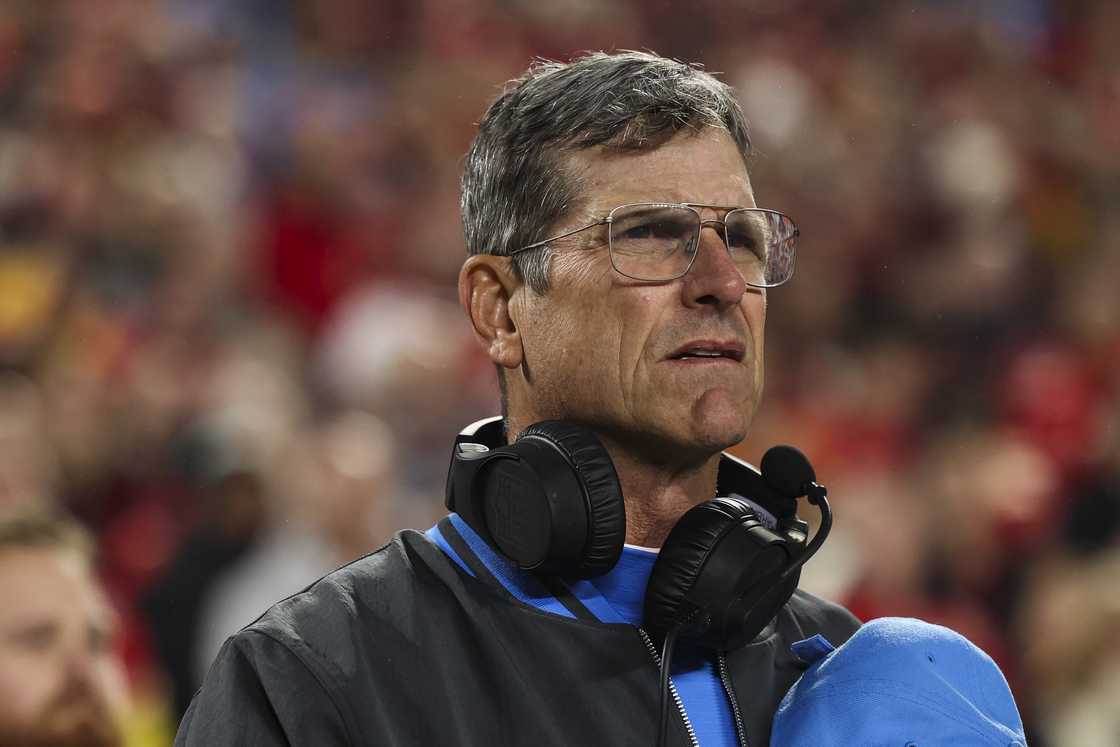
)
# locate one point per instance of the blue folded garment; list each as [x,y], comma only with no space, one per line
[897,681]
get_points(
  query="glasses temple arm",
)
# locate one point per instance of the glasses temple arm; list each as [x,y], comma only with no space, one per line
[542,242]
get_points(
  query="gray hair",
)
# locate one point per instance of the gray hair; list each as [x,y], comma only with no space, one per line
[514,185]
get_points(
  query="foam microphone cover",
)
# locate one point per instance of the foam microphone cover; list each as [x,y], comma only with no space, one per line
[788,471]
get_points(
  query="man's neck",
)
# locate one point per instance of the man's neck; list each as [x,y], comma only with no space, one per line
[657,491]
[657,496]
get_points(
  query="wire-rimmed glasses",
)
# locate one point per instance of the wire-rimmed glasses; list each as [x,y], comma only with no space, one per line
[658,241]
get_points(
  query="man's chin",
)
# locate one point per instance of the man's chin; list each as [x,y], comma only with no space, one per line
[717,422]
[87,730]
[689,442]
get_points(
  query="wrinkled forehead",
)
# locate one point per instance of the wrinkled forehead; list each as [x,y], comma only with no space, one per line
[701,166]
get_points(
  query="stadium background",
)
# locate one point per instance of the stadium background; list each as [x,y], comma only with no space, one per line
[229,341]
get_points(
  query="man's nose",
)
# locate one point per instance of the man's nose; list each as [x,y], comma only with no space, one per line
[713,279]
[83,658]
[80,666]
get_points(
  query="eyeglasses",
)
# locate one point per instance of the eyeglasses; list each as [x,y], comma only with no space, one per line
[657,242]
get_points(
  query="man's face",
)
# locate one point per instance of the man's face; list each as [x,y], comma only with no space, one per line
[60,682]
[605,350]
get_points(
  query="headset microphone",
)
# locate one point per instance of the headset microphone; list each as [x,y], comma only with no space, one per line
[788,471]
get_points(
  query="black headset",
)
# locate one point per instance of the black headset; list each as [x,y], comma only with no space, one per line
[551,503]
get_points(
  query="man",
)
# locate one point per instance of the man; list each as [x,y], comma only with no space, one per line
[640,323]
[61,683]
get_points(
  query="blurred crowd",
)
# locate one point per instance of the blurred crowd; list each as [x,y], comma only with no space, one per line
[230,343]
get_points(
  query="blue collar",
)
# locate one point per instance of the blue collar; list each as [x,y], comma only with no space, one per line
[615,597]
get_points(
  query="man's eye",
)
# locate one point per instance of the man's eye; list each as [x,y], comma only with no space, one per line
[749,241]
[744,241]
[36,638]
[637,232]
[654,229]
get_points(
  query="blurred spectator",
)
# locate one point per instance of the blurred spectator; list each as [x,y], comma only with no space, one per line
[1068,621]
[61,680]
[231,516]
[337,493]
[29,471]
[403,352]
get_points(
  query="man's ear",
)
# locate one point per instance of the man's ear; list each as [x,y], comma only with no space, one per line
[486,284]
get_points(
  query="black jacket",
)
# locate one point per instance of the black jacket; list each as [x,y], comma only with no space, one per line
[402,647]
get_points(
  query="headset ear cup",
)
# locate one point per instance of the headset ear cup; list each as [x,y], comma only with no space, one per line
[717,564]
[764,608]
[682,557]
[606,519]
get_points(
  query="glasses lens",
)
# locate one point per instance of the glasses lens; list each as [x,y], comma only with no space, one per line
[652,242]
[762,244]
[656,242]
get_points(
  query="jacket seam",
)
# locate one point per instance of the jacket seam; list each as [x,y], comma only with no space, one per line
[327,687]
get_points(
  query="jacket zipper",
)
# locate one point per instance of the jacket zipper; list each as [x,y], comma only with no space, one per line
[672,690]
[726,680]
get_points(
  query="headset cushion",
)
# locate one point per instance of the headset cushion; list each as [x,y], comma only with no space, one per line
[606,521]
[683,555]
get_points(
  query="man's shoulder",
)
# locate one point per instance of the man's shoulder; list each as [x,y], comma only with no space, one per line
[812,614]
[320,656]
[379,592]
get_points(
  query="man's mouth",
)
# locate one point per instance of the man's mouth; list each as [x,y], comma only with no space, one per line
[709,350]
